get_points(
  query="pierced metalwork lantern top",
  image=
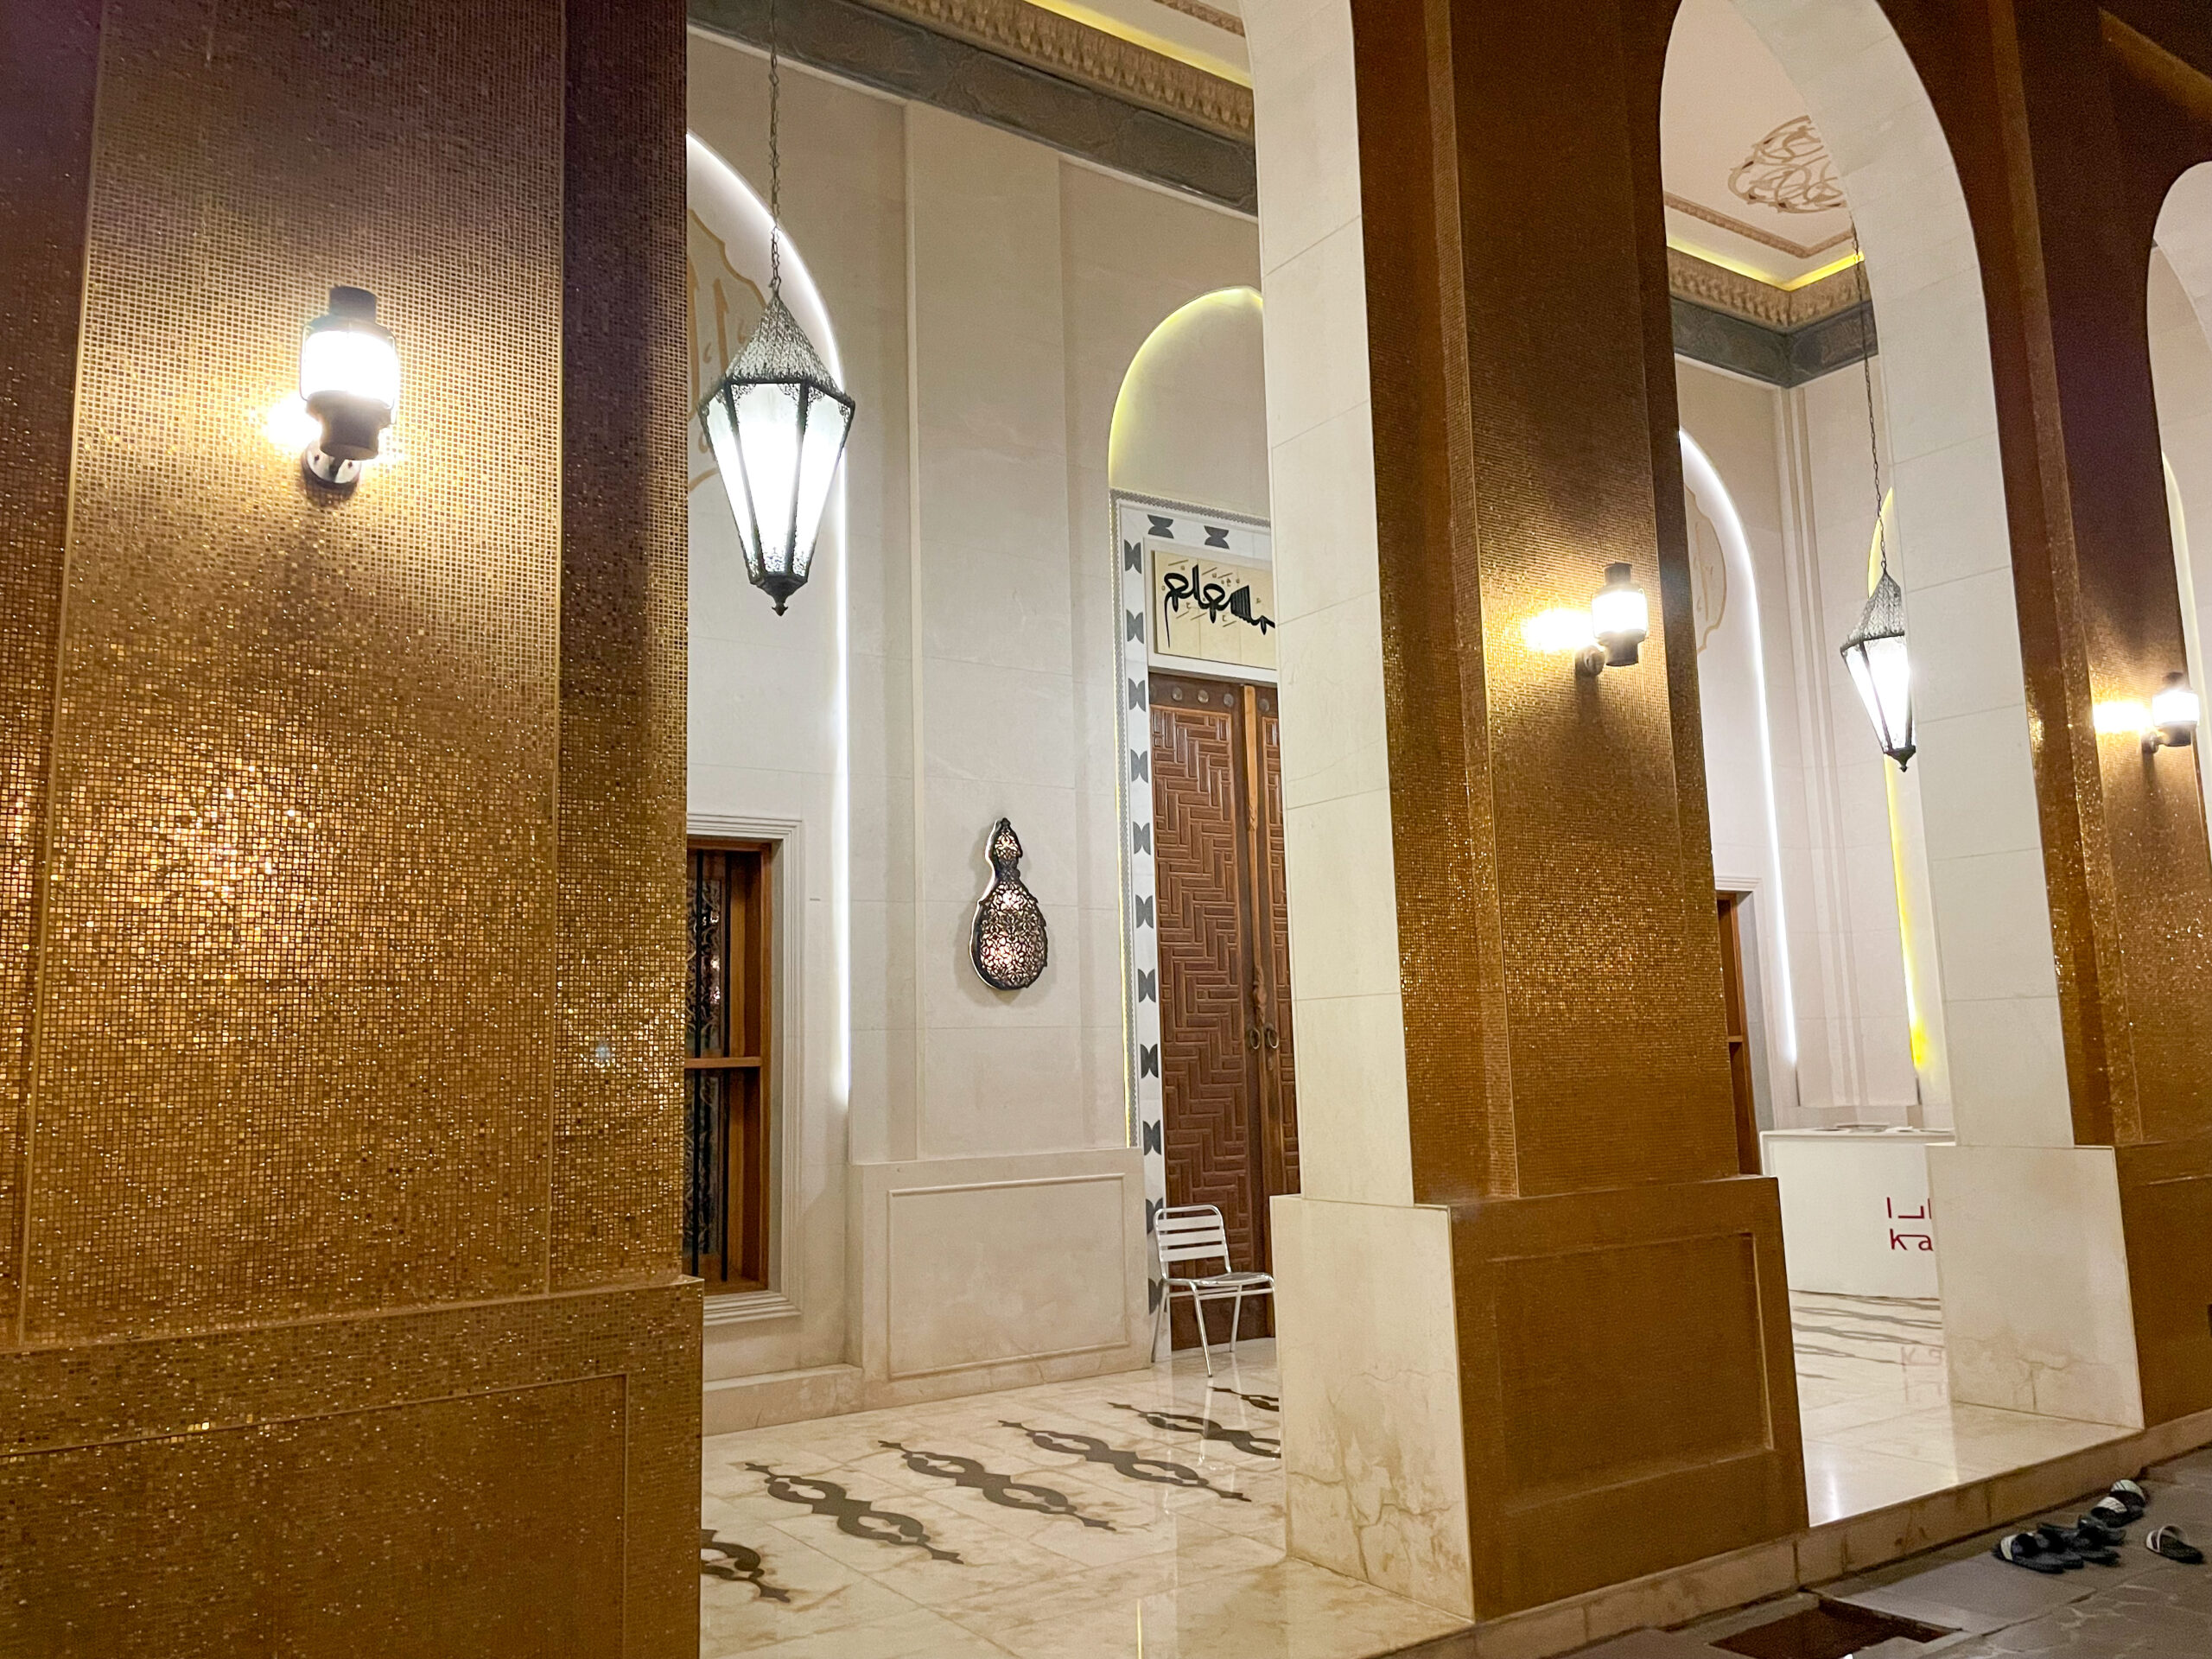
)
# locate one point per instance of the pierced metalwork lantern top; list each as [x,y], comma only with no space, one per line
[1010,946]
[777,422]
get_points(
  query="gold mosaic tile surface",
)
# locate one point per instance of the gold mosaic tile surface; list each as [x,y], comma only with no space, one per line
[295,1004]
[42,275]
[503,1479]
[617,1184]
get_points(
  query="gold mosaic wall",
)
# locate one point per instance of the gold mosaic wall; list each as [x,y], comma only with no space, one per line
[294,996]
[496,1481]
[342,842]
[617,1196]
[42,275]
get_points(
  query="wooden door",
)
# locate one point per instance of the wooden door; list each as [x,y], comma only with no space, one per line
[1228,1079]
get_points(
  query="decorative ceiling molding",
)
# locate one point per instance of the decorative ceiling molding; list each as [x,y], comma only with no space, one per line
[1047,41]
[909,57]
[1722,289]
[1764,238]
[1228,22]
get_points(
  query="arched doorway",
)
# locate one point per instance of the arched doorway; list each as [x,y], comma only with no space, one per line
[1207,915]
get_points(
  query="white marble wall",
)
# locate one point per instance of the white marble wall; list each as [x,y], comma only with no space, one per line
[2181,369]
[986,295]
[1373,1443]
[1366,1342]
[2007,1058]
[1794,467]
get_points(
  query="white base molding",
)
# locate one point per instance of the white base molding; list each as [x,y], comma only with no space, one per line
[732,1403]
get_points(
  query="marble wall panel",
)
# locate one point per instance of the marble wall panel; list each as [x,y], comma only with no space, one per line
[1375,1470]
[2034,1265]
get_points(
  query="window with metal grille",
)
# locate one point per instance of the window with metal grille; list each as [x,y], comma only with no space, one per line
[728,1001]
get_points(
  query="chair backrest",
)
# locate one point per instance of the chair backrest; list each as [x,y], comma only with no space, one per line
[1192,1232]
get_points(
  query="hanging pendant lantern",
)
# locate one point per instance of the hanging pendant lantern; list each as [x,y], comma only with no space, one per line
[1875,654]
[778,420]
[777,423]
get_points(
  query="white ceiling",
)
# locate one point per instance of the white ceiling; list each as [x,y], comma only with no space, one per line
[1749,183]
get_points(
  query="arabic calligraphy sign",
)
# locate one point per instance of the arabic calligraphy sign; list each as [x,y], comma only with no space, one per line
[1211,610]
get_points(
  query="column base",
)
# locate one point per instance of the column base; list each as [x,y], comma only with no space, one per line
[1497,1405]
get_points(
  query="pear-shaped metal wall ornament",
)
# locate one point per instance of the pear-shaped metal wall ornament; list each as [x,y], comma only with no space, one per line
[1009,943]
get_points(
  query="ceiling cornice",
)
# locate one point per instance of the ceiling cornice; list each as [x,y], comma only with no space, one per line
[1047,41]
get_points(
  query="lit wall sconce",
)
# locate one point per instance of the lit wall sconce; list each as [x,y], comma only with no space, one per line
[1620,620]
[2173,716]
[349,380]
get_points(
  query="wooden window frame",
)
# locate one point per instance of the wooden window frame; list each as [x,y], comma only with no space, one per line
[747,1064]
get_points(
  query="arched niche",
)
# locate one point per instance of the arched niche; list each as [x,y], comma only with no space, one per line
[1991,907]
[1190,423]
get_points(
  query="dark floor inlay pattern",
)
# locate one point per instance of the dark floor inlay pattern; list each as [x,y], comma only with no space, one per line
[739,1564]
[856,1517]
[1002,1490]
[1185,1423]
[1135,1464]
[1264,1401]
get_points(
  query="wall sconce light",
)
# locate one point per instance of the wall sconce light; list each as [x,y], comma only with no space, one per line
[1620,619]
[349,380]
[2173,716]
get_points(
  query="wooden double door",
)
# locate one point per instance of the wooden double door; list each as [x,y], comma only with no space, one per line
[1228,1082]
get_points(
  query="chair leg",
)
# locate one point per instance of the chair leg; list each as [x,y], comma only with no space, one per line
[1157,1314]
[1198,1312]
[1235,1318]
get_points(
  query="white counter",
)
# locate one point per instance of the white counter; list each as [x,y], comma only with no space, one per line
[1855,1216]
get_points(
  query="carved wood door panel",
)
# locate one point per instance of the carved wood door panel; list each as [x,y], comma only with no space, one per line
[1224,987]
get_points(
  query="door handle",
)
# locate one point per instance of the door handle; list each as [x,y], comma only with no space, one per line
[1251,1037]
[1274,1041]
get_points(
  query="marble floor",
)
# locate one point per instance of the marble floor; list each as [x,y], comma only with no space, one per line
[1140,1515]
[1876,1408]
[1137,1514]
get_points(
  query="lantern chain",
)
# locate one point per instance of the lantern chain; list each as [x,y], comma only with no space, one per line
[1866,372]
[775,161]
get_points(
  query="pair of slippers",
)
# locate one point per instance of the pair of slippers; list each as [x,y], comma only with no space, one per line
[2052,1549]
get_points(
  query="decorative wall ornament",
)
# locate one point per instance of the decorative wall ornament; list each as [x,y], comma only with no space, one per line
[1789,170]
[1010,946]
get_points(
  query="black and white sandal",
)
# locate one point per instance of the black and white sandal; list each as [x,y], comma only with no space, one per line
[2026,1549]
[2079,1545]
[2058,1546]
[2113,1514]
[2107,1534]
[2168,1543]
[2127,1492]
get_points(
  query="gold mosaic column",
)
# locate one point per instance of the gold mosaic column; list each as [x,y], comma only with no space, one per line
[341,896]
